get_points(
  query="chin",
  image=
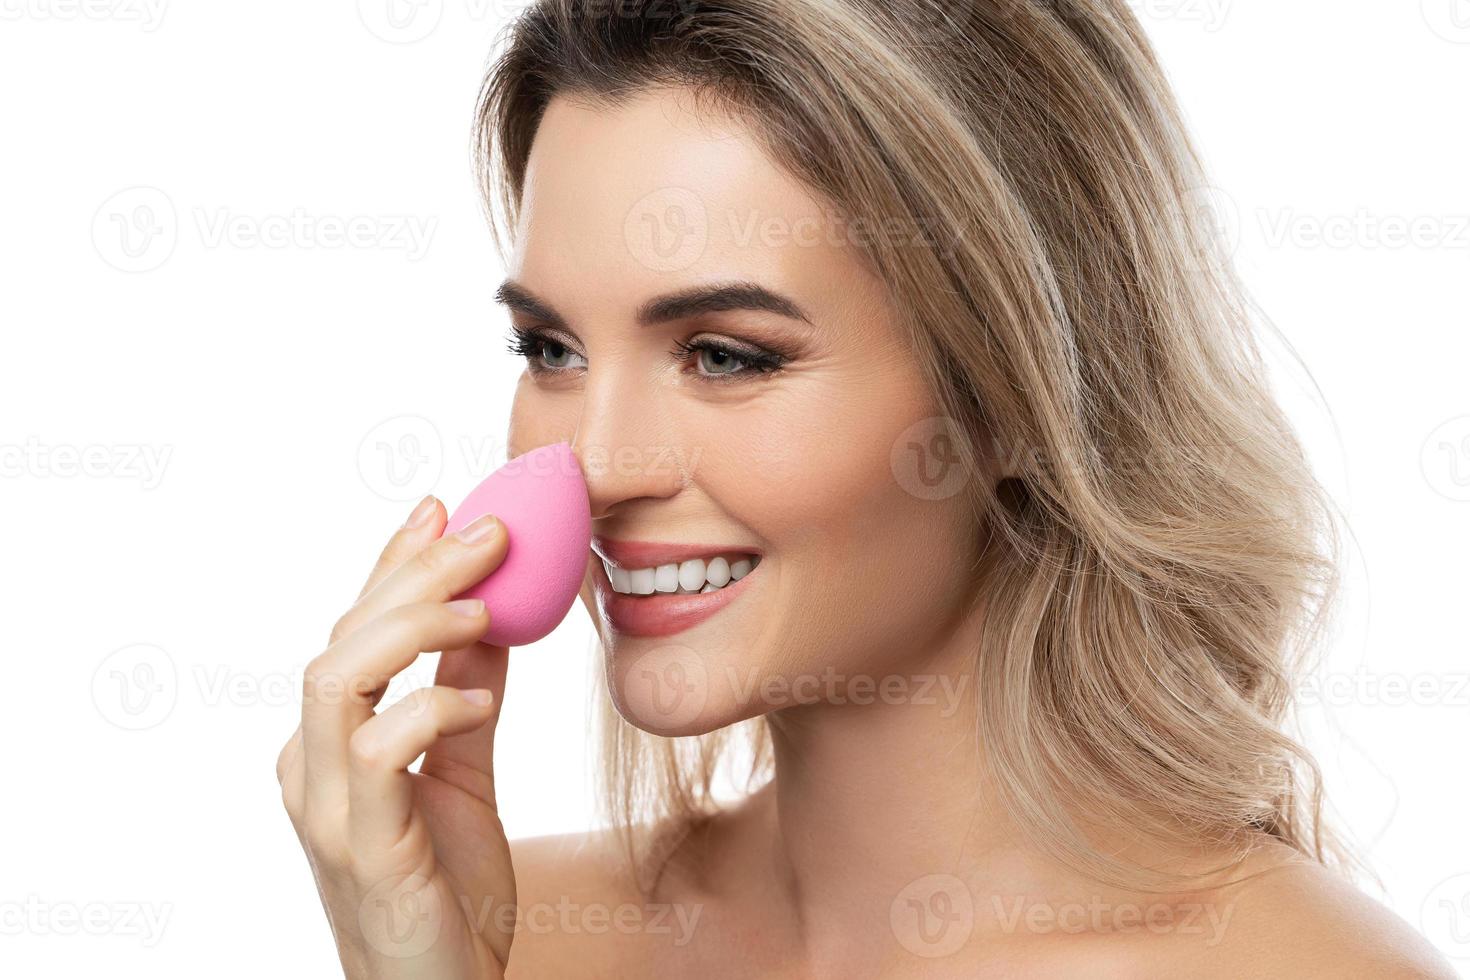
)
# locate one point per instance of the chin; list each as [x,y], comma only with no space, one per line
[675,688]
[681,665]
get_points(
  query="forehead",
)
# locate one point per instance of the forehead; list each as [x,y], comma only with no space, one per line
[653,195]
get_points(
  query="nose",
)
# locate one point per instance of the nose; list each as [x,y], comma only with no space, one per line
[625,444]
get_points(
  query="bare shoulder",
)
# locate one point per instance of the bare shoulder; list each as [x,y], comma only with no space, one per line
[584,862]
[566,885]
[1293,917]
[580,912]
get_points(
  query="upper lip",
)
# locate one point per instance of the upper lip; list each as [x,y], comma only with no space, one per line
[651,554]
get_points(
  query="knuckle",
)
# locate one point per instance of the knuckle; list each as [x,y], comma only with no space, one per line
[401,627]
[431,560]
[319,666]
[396,622]
[419,711]
[344,625]
[290,803]
[399,546]
[427,700]
[317,679]
[388,559]
[365,750]
[427,705]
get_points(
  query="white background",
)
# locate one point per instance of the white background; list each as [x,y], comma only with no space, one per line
[256,412]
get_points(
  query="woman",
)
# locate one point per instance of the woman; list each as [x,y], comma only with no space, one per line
[892,340]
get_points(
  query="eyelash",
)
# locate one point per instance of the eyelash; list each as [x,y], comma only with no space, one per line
[527,343]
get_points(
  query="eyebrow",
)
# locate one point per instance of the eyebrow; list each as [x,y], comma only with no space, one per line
[679,305]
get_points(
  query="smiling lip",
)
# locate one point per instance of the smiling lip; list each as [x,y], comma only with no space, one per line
[659,614]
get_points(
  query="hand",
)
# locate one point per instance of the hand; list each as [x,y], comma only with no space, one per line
[413,868]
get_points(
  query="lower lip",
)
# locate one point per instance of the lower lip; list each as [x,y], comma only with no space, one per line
[661,613]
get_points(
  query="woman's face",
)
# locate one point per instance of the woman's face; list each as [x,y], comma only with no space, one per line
[815,467]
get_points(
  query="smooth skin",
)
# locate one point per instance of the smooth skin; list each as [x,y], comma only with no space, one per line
[829,871]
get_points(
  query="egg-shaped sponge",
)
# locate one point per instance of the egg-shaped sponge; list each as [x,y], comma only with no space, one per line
[541,499]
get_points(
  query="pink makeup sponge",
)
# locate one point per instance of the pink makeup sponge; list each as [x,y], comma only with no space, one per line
[541,499]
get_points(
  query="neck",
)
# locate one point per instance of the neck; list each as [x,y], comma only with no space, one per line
[877,790]
[882,813]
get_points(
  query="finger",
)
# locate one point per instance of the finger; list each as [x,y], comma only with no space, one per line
[441,570]
[422,528]
[342,685]
[465,760]
[380,792]
[288,755]
[291,774]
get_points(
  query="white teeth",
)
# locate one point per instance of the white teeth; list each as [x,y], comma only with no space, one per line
[640,581]
[691,574]
[719,573]
[692,577]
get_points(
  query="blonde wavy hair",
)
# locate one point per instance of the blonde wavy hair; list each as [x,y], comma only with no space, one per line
[1165,556]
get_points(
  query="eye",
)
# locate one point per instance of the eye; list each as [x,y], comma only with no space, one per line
[541,351]
[725,361]
[718,361]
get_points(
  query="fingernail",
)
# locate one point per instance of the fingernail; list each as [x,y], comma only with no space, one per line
[478,530]
[479,697]
[466,607]
[421,512]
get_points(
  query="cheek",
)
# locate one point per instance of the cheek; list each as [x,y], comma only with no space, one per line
[538,418]
[865,565]
[877,562]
